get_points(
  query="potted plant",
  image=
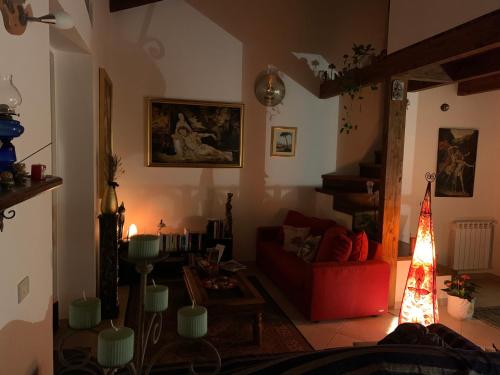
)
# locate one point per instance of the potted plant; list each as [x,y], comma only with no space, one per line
[461,300]
[362,56]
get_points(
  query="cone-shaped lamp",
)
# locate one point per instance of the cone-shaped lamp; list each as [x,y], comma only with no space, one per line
[420,297]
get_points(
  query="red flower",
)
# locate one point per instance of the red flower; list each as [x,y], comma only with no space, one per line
[466,277]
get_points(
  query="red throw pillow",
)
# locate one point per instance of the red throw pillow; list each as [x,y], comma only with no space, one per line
[359,247]
[319,226]
[339,249]
[296,219]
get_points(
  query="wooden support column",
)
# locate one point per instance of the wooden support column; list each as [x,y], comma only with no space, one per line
[393,142]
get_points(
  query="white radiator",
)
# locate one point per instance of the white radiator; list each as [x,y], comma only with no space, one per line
[473,244]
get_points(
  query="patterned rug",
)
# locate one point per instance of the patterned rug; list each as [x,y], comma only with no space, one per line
[230,334]
[489,315]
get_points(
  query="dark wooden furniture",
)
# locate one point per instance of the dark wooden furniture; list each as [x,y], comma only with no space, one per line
[116,5]
[108,265]
[18,194]
[244,299]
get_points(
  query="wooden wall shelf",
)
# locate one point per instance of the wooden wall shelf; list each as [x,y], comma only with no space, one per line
[18,194]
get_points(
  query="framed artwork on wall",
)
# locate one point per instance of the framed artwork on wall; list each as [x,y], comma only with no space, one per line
[182,133]
[105,141]
[283,141]
[456,162]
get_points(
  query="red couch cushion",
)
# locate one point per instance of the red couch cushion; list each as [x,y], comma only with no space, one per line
[337,248]
[318,226]
[359,247]
[330,234]
[285,268]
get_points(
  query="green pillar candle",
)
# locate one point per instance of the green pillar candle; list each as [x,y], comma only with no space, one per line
[115,347]
[156,298]
[144,246]
[85,313]
[192,321]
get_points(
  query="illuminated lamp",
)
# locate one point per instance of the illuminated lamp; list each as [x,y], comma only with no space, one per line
[132,231]
[420,297]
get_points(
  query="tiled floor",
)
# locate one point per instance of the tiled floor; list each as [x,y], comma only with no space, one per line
[331,334]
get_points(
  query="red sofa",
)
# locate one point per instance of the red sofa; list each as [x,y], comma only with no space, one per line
[324,290]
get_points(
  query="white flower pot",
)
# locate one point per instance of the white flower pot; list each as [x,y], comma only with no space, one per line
[460,308]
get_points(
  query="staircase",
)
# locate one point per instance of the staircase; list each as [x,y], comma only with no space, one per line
[350,193]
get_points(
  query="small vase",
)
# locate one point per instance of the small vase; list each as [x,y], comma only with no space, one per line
[460,308]
[109,203]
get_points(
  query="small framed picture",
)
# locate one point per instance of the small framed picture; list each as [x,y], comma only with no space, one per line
[283,141]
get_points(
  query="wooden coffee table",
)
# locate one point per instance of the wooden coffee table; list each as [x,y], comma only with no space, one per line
[243,299]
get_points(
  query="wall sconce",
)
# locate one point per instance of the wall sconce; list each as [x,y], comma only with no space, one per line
[16,17]
[269,87]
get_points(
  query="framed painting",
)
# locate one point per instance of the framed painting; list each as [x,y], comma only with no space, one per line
[105,141]
[283,141]
[456,162]
[182,133]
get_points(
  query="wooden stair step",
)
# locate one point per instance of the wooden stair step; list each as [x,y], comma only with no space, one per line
[351,202]
[371,170]
[348,183]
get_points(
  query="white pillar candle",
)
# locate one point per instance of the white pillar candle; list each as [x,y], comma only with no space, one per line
[144,246]
[85,313]
[115,347]
[192,321]
[156,298]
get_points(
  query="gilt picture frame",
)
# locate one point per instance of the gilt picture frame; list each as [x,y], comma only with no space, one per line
[193,134]
[105,133]
[456,162]
[283,141]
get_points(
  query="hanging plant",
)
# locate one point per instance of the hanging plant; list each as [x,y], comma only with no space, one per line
[361,56]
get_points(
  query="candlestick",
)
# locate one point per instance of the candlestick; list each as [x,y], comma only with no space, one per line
[115,347]
[144,246]
[85,313]
[156,298]
[192,321]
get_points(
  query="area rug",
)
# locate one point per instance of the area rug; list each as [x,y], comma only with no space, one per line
[230,334]
[489,315]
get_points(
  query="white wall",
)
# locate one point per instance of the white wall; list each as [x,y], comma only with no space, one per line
[413,21]
[26,242]
[407,183]
[481,111]
[75,164]
[176,52]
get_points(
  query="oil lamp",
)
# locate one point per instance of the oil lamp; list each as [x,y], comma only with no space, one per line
[10,99]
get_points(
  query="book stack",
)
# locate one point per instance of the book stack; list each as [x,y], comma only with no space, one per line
[188,241]
[215,228]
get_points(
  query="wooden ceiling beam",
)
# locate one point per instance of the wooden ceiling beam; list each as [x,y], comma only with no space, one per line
[414,86]
[476,36]
[116,5]
[475,66]
[479,85]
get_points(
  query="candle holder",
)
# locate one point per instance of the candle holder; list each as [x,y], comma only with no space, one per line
[144,266]
[81,358]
